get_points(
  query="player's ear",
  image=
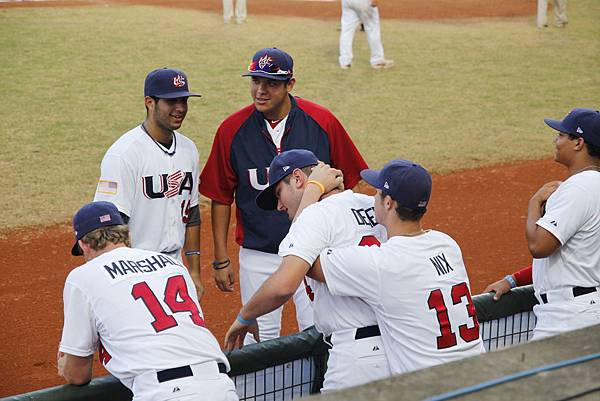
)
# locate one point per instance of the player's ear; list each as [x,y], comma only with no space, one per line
[149,102]
[290,84]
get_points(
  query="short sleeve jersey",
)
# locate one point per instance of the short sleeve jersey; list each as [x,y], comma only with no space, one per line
[152,185]
[242,151]
[419,290]
[140,309]
[340,220]
[573,217]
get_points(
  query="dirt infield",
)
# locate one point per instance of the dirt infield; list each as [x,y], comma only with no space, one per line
[483,209]
[325,9]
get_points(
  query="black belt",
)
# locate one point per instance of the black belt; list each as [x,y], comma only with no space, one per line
[577,291]
[363,332]
[182,371]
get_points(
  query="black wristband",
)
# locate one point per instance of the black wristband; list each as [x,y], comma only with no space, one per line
[221,265]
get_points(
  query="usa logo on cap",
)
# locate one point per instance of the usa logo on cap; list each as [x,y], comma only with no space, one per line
[179,81]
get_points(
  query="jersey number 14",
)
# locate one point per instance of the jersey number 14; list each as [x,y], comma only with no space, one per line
[175,288]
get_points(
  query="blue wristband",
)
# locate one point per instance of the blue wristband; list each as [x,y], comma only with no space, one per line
[240,319]
[511,280]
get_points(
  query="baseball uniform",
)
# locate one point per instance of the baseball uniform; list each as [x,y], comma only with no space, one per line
[140,310]
[357,354]
[240,11]
[567,283]
[419,290]
[355,12]
[237,169]
[560,12]
[154,186]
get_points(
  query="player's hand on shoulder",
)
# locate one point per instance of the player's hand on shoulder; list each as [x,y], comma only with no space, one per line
[546,190]
[331,178]
[234,338]
[499,288]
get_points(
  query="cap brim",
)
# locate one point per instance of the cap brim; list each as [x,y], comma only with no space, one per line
[371,177]
[76,250]
[175,95]
[277,77]
[557,125]
[266,199]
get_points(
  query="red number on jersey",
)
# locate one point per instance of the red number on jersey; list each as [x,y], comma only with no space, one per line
[369,240]
[436,301]
[175,288]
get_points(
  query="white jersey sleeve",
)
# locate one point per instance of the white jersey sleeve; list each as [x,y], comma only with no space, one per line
[567,210]
[308,235]
[351,271]
[79,335]
[117,183]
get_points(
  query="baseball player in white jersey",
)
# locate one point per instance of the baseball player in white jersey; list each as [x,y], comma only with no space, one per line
[151,174]
[355,12]
[563,232]
[357,354]
[416,282]
[140,310]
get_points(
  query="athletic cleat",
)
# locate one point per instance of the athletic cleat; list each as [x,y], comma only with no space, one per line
[383,64]
[345,66]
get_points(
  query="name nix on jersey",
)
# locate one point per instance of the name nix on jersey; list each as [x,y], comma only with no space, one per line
[122,268]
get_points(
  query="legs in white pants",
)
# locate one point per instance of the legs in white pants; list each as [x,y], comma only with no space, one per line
[353,13]
[240,10]
[255,268]
[560,12]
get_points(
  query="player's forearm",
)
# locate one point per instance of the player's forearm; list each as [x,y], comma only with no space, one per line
[75,369]
[540,242]
[191,249]
[277,289]
[220,215]
[311,195]
[316,271]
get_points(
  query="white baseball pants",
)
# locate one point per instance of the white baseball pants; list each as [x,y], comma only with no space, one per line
[353,13]
[353,362]
[255,268]
[560,12]
[206,383]
[240,10]
[564,313]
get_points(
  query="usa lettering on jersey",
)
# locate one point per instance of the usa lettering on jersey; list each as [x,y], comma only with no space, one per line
[169,185]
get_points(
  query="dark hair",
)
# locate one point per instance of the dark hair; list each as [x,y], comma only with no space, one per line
[593,150]
[404,213]
[100,237]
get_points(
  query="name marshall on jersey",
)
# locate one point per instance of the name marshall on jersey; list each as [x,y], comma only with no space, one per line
[122,268]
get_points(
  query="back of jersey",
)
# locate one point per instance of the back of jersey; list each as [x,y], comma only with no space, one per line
[425,302]
[142,307]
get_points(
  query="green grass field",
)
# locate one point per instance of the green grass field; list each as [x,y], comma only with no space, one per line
[463,93]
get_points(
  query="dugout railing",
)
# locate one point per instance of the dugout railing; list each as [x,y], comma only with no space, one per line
[293,367]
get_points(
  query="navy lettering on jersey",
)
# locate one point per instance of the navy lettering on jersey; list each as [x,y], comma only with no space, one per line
[365,217]
[148,265]
[441,264]
[167,185]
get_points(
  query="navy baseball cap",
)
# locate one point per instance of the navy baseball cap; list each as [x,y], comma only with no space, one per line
[167,83]
[584,123]
[91,217]
[406,182]
[282,165]
[271,63]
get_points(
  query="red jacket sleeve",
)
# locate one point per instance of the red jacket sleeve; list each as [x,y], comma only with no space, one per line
[218,180]
[524,276]
[344,154]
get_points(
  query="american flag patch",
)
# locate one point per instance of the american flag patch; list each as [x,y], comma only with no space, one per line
[107,187]
[104,218]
